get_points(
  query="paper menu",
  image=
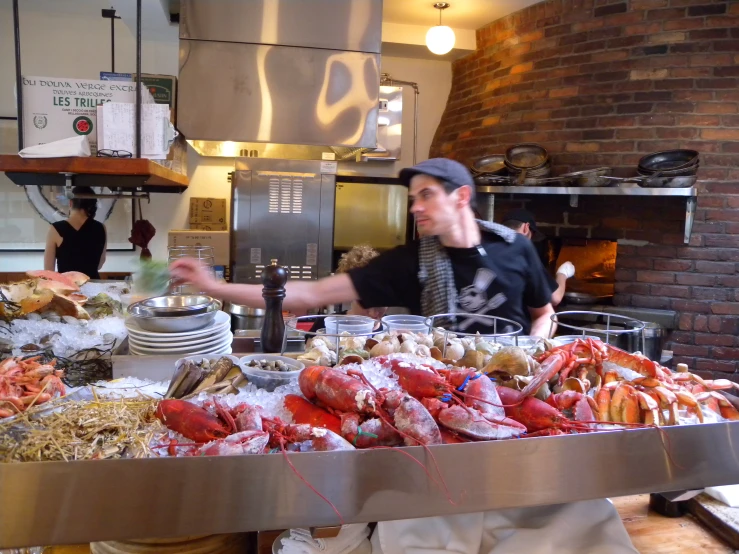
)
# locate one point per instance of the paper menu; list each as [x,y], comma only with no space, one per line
[117,128]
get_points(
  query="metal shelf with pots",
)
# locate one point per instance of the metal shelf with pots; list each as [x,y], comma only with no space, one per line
[689,193]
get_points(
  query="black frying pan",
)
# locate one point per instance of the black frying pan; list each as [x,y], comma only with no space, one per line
[668,160]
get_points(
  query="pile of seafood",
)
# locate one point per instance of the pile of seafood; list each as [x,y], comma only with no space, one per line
[84,430]
[270,365]
[45,290]
[25,383]
[470,351]
[582,387]
[408,400]
[59,313]
[192,378]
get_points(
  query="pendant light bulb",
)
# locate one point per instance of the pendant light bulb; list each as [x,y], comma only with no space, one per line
[440,39]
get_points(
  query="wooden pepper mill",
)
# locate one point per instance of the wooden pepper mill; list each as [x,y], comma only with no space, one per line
[274,278]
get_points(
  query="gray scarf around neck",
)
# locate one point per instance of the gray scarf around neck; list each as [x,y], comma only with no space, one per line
[438,291]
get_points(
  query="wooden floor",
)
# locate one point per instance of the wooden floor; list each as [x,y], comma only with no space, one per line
[652,533]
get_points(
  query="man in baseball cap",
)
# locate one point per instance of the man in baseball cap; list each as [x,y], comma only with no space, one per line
[523,222]
[459,265]
[452,175]
[457,184]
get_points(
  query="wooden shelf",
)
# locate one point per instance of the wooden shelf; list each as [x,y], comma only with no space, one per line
[138,173]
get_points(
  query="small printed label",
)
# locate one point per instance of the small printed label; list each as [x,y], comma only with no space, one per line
[328,156]
[255,255]
[329,167]
[82,125]
[311,254]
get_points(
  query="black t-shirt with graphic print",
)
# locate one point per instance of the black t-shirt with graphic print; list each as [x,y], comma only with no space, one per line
[504,282]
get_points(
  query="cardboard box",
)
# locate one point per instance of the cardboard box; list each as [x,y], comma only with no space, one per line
[219,240]
[209,226]
[162,87]
[208,210]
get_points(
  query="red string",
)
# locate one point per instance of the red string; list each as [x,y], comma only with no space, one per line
[433,458]
[311,487]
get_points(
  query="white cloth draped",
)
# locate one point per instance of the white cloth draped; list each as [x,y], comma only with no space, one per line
[588,527]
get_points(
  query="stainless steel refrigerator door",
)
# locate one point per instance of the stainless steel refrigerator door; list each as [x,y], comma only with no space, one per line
[374,214]
[282,210]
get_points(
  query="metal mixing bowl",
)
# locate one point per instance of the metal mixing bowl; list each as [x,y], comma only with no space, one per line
[179,324]
[177,305]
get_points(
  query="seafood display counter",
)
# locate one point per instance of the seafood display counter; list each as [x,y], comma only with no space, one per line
[80,501]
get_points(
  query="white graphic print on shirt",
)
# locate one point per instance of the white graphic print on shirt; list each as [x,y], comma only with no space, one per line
[473,299]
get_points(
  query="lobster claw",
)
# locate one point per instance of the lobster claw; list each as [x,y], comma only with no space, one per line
[413,420]
[245,442]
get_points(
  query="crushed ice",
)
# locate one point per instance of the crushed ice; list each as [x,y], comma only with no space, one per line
[114,290]
[131,387]
[67,336]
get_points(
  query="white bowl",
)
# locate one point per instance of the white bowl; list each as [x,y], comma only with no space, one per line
[180,324]
[270,380]
[221,320]
[146,342]
[216,346]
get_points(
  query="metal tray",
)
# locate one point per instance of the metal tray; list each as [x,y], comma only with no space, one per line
[49,503]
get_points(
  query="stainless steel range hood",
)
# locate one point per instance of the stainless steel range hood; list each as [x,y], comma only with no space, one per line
[275,78]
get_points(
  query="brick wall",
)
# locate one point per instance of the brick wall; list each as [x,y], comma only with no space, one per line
[603,82]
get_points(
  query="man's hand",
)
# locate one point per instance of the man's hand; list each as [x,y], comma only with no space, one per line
[567,269]
[300,295]
[192,272]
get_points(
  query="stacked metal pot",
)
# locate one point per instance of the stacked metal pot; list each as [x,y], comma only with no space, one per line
[671,168]
[528,164]
[528,161]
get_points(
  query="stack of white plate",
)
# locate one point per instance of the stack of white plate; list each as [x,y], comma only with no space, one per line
[214,338]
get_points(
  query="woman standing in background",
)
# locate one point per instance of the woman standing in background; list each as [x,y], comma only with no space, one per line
[78,243]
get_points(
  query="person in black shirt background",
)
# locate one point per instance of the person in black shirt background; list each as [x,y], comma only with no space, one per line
[460,264]
[523,222]
[78,243]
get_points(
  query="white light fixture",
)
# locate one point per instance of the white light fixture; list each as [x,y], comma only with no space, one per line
[440,39]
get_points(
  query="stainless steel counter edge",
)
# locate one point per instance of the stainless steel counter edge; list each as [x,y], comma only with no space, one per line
[48,503]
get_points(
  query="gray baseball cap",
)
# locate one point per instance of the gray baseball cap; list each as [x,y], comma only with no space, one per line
[453,174]
[447,170]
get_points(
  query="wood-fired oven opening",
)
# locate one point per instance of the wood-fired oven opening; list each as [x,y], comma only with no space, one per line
[595,266]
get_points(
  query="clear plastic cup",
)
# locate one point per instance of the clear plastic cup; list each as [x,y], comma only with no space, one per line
[349,324]
[404,323]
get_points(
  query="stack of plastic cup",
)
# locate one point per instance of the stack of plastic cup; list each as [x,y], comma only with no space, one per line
[349,324]
[403,323]
[202,253]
